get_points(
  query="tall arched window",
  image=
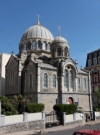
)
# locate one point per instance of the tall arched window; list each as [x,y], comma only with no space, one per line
[65,80]
[44,45]
[45,80]
[53,51]
[71,80]
[65,52]
[54,81]
[33,45]
[24,46]
[39,45]
[48,47]
[28,46]
[78,83]
[84,83]
[59,52]
[31,81]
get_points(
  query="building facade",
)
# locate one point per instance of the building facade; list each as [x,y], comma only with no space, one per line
[3,61]
[45,73]
[93,65]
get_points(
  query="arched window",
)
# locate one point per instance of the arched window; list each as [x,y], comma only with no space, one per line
[65,52]
[39,45]
[28,46]
[45,80]
[59,52]
[78,83]
[44,45]
[54,81]
[84,83]
[31,81]
[53,53]
[71,80]
[33,45]
[48,47]
[24,46]
[65,80]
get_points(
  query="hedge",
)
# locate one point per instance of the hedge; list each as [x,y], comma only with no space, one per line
[68,108]
[34,107]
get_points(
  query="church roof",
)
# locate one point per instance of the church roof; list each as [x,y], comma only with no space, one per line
[82,71]
[44,65]
[37,31]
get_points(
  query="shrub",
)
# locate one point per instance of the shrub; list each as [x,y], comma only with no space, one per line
[6,107]
[68,108]
[96,108]
[34,107]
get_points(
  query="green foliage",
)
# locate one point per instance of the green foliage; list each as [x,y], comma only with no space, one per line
[68,108]
[34,107]
[6,107]
[96,108]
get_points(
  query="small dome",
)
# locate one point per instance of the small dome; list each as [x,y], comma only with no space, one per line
[37,31]
[59,39]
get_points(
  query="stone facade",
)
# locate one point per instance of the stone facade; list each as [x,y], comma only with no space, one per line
[46,73]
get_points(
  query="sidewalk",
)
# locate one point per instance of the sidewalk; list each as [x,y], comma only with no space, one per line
[52,129]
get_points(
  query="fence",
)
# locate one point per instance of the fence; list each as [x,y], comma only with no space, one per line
[25,117]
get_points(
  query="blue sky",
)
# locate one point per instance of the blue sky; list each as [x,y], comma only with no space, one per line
[79,21]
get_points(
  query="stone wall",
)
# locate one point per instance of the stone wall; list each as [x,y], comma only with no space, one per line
[49,100]
[84,102]
[25,126]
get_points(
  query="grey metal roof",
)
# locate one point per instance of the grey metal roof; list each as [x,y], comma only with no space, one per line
[44,65]
[37,31]
[81,71]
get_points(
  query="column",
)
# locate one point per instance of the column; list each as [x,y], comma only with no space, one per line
[68,80]
[38,79]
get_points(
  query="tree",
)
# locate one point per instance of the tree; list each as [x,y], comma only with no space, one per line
[6,107]
[20,102]
[97,93]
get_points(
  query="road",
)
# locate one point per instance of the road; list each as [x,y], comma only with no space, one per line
[70,131]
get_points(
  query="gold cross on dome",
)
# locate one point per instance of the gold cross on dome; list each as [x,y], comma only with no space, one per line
[59,28]
[38,17]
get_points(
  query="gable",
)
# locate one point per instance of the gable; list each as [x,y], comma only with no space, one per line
[30,65]
[12,62]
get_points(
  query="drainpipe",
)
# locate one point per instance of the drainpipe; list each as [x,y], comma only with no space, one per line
[90,94]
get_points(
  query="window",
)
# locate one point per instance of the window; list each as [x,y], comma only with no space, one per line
[89,62]
[54,81]
[30,80]
[45,80]
[44,45]
[95,55]
[65,80]
[39,45]
[28,46]
[48,47]
[33,45]
[53,53]
[78,83]
[71,79]
[99,60]
[89,56]
[13,77]
[59,52]
[65,52]
[94,61]
[24,47]
[95,79]
[84,83]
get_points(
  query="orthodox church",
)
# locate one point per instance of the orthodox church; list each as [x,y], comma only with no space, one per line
[44,72]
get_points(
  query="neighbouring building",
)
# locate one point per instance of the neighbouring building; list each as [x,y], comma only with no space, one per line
[45,73]
[3,61]
[93,65]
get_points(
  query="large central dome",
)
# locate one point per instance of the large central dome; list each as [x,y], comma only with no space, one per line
[37,31]
[36,39]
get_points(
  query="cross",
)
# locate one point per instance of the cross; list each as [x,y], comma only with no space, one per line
[59,30]
[38,17]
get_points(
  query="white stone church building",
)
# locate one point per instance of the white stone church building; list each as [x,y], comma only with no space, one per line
[45,73]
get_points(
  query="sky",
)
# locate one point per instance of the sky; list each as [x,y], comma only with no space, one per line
[79,21]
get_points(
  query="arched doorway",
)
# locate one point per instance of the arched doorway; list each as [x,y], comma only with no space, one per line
[70,100]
